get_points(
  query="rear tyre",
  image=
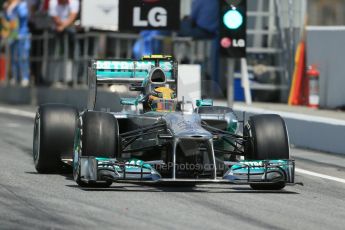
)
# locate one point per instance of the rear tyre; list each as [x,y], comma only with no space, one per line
[100,139]
[54,132]
[267,139]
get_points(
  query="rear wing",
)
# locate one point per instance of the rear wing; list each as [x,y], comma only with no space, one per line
[129,71]
[126,71]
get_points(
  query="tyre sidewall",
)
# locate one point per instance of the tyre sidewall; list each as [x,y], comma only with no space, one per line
[267,138]
[54,132]
[100,135]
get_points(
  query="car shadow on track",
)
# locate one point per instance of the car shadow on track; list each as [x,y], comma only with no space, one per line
[179,189]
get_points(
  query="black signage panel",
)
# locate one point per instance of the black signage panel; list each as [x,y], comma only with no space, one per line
[149,14]
[233,26]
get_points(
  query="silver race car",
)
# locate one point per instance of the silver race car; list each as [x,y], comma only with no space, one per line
[158,139]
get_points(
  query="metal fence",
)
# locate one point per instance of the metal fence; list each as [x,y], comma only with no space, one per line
[63,58]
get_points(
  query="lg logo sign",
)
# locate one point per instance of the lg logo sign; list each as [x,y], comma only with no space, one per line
[157,17]
[233,47]
[239,43]
[149,14]
[228,42]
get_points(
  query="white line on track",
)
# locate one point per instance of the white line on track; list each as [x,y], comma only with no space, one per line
[17,112]
[310,173]
[11,125]
[22,113]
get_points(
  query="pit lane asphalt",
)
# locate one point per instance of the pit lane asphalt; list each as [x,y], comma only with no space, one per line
[32,201]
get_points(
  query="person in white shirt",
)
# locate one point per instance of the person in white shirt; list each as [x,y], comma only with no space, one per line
[64,13]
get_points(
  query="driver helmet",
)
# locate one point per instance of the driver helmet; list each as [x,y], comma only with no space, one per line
[162,99]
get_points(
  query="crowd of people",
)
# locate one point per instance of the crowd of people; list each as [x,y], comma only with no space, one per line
[20,18]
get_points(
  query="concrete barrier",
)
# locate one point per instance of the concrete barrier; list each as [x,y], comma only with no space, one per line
[308,131]
[76,97]
[15,95]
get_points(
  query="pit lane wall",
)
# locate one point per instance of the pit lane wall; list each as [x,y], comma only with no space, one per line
[305,131]
[308,131]
[41,95]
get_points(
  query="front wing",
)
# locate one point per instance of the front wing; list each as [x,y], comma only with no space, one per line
[93,169]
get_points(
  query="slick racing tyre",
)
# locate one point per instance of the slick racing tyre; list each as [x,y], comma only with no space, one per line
[54,132]
[99,138]
[100,135]
[267,139]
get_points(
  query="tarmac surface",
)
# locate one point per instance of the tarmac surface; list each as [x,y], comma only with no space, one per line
[46,201]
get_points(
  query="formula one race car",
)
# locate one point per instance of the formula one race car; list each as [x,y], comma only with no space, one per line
[158,139]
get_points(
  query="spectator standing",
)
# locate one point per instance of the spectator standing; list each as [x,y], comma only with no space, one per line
[64,13]
[148,43]
[16,14]
[203,23]
[36,18]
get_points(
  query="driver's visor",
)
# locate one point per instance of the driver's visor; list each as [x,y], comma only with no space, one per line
[163,105]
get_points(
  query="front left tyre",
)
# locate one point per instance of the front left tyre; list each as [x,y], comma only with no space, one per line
[267,139]
[54,131]
[98,137]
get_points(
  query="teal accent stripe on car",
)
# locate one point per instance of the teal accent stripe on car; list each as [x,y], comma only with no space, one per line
[101,74]
[111,74]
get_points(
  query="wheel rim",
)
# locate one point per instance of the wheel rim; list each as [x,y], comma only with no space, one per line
[37,141]
[76,166]
[76,157]
[249,146]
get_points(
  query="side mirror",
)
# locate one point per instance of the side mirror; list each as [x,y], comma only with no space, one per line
[204,102]
[129,101]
